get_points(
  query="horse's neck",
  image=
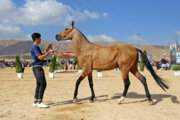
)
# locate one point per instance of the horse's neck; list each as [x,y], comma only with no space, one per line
[80,42]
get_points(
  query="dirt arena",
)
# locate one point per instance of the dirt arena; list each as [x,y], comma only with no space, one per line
[16,97]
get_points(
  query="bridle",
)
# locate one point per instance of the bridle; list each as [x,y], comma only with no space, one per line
[67,33]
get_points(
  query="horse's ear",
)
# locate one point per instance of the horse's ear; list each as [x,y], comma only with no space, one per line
[72,23]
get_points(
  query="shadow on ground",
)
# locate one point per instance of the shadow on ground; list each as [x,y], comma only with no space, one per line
[156,97]
[100,98]
[132,95]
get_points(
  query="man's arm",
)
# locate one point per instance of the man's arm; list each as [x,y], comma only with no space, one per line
[41,57]
[58,55]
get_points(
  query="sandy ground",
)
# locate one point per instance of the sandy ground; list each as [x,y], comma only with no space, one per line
[16,98]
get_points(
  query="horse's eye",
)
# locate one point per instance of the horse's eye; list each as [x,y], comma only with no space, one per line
[66,29]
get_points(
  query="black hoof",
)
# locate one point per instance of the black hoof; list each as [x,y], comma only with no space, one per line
[92,99]
[150,102]
[75,100]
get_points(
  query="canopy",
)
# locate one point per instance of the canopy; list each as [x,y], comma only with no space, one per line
[69,53]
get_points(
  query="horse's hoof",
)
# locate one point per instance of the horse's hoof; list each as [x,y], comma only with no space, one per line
[119,102]
[75,100]
[151,102]
[121,99]
[91,100]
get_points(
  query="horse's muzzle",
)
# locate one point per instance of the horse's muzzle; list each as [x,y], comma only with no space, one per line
[58,37]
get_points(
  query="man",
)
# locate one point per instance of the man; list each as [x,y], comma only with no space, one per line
[38,70]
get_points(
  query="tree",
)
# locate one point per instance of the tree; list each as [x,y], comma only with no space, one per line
[52,66]
[18,65]
[75,59]
[141,62]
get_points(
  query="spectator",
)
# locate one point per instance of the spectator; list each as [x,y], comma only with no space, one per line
[66,67]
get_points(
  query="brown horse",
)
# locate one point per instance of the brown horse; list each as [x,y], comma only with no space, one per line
[93,57]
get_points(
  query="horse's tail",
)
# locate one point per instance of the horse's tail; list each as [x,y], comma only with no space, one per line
[158,80]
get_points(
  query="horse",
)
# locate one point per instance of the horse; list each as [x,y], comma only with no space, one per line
[94,57]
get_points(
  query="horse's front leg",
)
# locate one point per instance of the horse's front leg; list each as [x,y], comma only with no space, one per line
[82,76]
[91,86]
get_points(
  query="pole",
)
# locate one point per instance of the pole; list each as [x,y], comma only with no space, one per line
[138,38]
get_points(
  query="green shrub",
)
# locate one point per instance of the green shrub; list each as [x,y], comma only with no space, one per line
[59,66]
[99,70]
[176,68]
[141,62]
[52,66]
[145,53]
[18,65]
[141,66]
[75,59]
[79,68]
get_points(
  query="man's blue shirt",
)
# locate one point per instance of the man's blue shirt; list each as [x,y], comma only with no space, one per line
[35,51]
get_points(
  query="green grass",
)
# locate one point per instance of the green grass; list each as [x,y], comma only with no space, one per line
[176,68]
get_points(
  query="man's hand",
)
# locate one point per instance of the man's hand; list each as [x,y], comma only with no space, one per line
[41,57]
[53,56]
[51,51]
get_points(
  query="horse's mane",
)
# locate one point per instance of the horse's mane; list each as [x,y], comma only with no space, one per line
[87,39]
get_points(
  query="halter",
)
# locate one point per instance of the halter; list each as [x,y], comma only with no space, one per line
[67,33]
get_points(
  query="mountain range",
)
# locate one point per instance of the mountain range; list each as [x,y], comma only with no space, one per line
[10,48]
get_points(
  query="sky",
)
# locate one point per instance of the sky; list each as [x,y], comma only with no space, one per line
[139,22]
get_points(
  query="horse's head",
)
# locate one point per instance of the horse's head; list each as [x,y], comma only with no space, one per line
[66,34]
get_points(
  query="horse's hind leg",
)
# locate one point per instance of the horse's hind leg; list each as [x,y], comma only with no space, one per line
[125,77]
[136,73]
[91,86]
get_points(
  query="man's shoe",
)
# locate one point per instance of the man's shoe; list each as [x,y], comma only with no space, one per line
[35,104]
[42,105]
